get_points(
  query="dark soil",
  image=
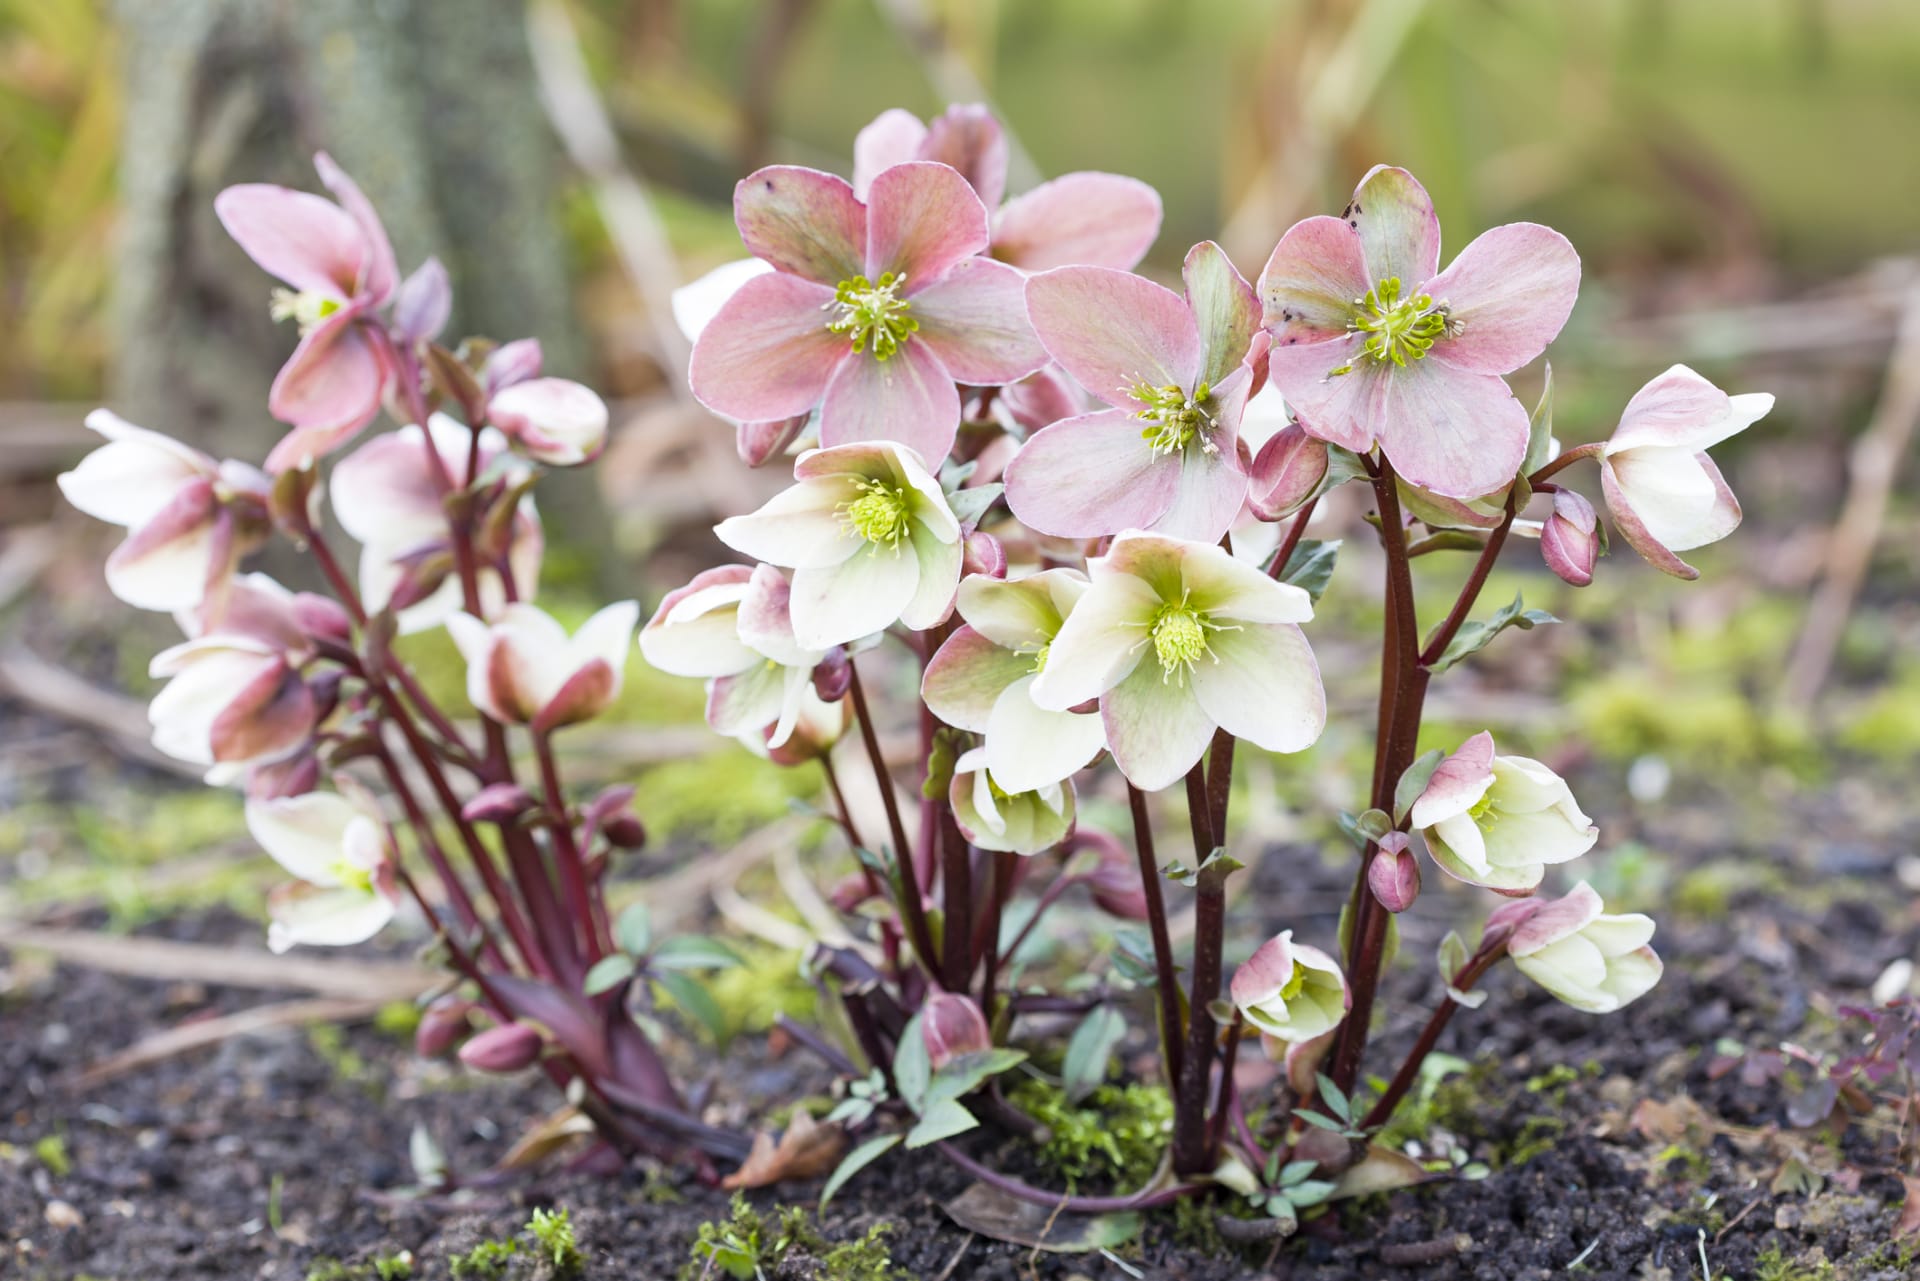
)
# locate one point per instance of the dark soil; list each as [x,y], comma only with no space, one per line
[277,1152]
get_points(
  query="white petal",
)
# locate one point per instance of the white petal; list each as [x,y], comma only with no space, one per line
[1029,747]
[1262,684]
[862,595]
[1101,641]
[306,835]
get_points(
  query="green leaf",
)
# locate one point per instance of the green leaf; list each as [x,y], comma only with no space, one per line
[693,1000]
[692,952]
[1331,1095]
[1475,636]
[1089,1049]
[1365,829]
[854,1162]
[1540,429]
[943,1120]
[1293,1172]
[1452,955]
[607,973]
[969,505]
[633,931]
[1415,781]
[1310,1192]
[1310,567]
[969,1072]
[912,1071]
[1133,956]
[1324,1122]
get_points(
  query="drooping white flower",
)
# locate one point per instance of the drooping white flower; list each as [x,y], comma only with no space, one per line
[523,668]
[1589,959]
[1290,991]
[1499,821]
[341,854]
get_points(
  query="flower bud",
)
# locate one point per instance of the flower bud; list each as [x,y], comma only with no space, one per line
[322,618]
[523,668]
[832,675]
[499,803]
[443,1025]
[1394,873]
[611,813]
[1115,880]
[850,891]
[552,420]
[507,1048]
[760,443]
[295,776]
[952,1026]
[1570,538]
[1286,472]
[511,364]
[984,555]
[423,303]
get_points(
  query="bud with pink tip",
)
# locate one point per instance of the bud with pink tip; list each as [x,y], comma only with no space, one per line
[1570,538]
[984,554]
[952,1027]
[1394,873]
[1286,473]
[1115,879]
[499,803]
[443,1024]
[552,420]
[760,443]
[507,1048]
[833,675]
[523,668]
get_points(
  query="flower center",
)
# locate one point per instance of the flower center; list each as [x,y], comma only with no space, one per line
[1173,417]
[1179,639]
[352,876]
[1398,328]
[1040,658]
[1483,812]
[880,514]
[1295,981]
[869,313]
[306,308]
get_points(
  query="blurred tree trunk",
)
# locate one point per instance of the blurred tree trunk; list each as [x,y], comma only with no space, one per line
[430,106]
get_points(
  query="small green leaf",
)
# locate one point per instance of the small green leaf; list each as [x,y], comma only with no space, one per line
[1452,956]
[1415,781]
[1331,1095]
[607,973]
[633,930]
[942,1120]
[1476,636]
[692,952]
[911,1069]
[1324,1122]
[969,1072]
[1540,429]
[1310,1192]
[969,505]
[1311,565]
[1089,1049]
[693,1000]
[1293,1172]
[1366,829]
[854,1162]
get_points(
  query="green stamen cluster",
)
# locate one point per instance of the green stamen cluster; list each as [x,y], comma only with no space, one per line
[306,308]
[1173,417]
[1179,635]
[1397,329]
[1040,658]
[875,314]
[353,877]
[880,515]
[1295,981]
[1483,812]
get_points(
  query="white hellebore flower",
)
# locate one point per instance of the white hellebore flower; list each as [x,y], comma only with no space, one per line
[1665,494]
[342,856]
[982,678]
[870,539]
[523,668]
[993,818]
[1590,960]
[1289,991]
[1177,638]
[188,518]
[732,625]
[1498,821]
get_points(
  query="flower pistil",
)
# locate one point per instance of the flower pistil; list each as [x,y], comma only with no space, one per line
[880,515]
[1173,417]
[870,313]
[1398,329]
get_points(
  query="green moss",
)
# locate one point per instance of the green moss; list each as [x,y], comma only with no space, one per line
[748,1245]
[397,1019]
[485,1262]
[766,985]
[51,1151]
[1116,1135]
[865,1259]
[552,1232]
[1540,1133]
[1707,720]
[1679,1163]
[1707,892]
[1887,726]
[1774,1265]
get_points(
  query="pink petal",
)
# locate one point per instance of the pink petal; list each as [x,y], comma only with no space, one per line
[1457,433]
[1209,497]
[1458,784]
[303,239]
[1041,399]
[1677,408]
[584,695]
[967,675]
[1634,529]
[1339,410]
[922,219]
[268,717]
[1399,233]
[893,138]
[378,272]
[1089,219]
[1510,291]
[1264,973]
[768,354]
[1113,331]
[167,561]
[1556,919]
[1224,308]
[1156,728]
[1091,475]
[968,138]
[802,221]
[975,320]
[1308,289]
[332,384]
[909,398]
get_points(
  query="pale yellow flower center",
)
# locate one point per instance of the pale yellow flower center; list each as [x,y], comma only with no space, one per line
[873,313]
[881,514]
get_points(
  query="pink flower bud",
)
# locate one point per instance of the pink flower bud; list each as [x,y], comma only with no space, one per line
[984,555]
[1394,873]
[512,363]
[423,303]
[1570,539]
[295,776]
[502,1049]
[850,892]
[832,675]
[952,1026]
[1115,881]
[625,831]
[760,443]
[322,618]
[497,803]
[552,420]
[1287,470]
[325,689]
[443,1025]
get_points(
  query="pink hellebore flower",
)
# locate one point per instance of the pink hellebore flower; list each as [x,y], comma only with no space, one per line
[874,312]
[1175,374]
[1498,821]
[869,537]
[1371,346]
[982,678]
[1096,219]
[1289,991]
[694,307]
[1665,494]
[189,519]
[1177,639]
[523,669]
[551,420]
[341,853]
[339,264]
[386,496]
[1571,947]
[733,626]
[996,817]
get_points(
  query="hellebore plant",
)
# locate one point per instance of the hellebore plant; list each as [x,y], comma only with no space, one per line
[1084,637]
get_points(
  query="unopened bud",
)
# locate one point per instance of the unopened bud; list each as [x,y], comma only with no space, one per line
[760,443]
[1570,538]
[984,555]
[511,363]
[499,803]
[295,776]
[1286,473]
[952,1026]
[322,618]
[443,1025]
[1115,881]
[851,891]
[502,1049]
[1394,873]
[832,675]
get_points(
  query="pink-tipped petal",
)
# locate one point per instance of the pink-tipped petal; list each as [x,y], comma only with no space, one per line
[1224,308]
[1041,399]
[892,138]
[967,675]
[1310,284]
[268,718]
[1510,291]
[582,696]
[332,383]
[1114,331]
[1089,219]
[1458,784]
[966,137]
[303,239]
[1457,433]
[378,271]
[1156,729]
[1681,409]
[1399,232]
[975,320]
[1262,683]
[768,354]
[1341,410]
[922,219]
[802,221]
[1091,475]
[909,398]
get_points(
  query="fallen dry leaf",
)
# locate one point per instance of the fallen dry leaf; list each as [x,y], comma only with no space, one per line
[806,1151]
[1675,1120]
[1910,1211]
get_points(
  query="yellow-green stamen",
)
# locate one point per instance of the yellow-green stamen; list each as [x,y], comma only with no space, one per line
[352,876]
[1295,981]
[1179,635]
[1398,329]
[306,308]
[881,514]
[873,314]
[1173,417]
